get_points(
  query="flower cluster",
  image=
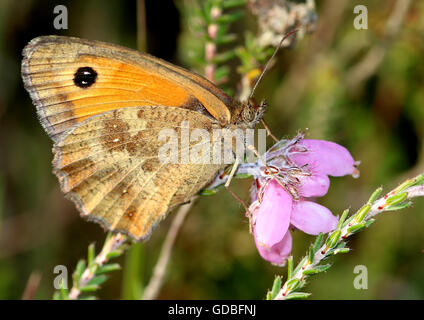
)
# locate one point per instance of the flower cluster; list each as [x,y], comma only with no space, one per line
[284,189]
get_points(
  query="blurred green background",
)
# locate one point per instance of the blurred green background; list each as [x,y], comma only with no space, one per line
[379,118]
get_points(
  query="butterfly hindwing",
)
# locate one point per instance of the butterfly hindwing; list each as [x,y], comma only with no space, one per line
[109,166]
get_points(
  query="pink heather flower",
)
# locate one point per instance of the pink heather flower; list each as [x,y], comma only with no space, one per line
[296,170]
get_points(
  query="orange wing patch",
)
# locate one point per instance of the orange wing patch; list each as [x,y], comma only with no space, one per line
[124,78]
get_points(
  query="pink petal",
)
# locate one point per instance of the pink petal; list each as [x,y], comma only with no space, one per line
[315,185]
[325,157]
[272,218]
[312,218]
[279,252]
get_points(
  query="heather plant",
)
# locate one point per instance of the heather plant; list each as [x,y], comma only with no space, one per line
[287,179]
[344,122]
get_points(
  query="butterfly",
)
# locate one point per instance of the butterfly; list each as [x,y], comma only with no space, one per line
[103,106]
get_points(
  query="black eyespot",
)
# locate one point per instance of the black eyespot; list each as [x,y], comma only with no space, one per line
[85,77]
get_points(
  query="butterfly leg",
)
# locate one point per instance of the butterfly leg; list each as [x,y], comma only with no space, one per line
[227,183]
[232,172]
[268,131]
[235,196]
[248,213]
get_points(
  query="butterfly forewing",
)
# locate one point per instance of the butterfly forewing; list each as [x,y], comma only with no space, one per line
[52,68]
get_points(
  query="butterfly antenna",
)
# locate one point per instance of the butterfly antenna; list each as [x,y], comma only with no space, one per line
[270,59]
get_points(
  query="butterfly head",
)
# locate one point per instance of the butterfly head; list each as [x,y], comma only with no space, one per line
[251,113]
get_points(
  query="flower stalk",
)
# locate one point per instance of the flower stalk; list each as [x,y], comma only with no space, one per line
[91,274]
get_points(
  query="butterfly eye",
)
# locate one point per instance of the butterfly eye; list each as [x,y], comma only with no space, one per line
[85,77]
[248,114]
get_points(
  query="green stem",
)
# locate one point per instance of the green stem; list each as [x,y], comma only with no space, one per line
[132,287]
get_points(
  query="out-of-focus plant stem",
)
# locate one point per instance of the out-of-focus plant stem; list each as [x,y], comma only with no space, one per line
[371,61]
[132,283]
[156,281]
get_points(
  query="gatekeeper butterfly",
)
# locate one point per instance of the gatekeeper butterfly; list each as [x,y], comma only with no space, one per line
[103,106]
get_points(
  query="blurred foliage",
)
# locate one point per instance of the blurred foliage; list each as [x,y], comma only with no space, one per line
[380,120]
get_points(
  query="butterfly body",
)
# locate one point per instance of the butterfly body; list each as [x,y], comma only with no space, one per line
[104,107]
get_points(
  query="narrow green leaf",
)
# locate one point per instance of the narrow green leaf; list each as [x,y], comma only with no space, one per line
[226,39]
[80,268]
[97,280]
[324,267]
[316,270]
[341,244]
[114,254]
[229,18]
[369,222]
[221,73]
[409,183]
[397,198]
[208,192]
[348,220]
[90,288]
[419,180]
[91,253]
[227,4]
[242,176]
[341,250]
[311,271]
[318,242]
[300,264]
[342,218]
[293,284]
[311,254]
[276,286]
[206,9]
[356,227]
[223,57]
[398,206]
[108,268]
[289,267]
[93,268]
[297,295]
[333,239]
[362,213]
[338,249]
[375,195]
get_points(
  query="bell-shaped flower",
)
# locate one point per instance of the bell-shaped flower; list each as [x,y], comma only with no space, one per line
[296,171]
